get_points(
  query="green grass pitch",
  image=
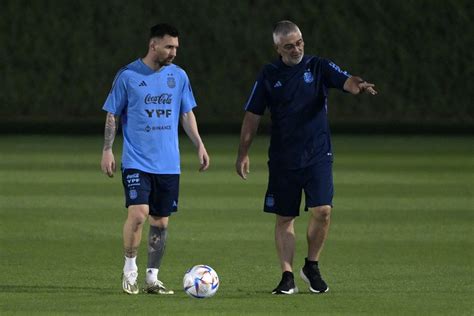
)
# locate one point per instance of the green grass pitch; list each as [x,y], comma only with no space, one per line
[401,240]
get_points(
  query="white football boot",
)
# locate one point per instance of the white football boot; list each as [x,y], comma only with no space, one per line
[129,282]
[157,287]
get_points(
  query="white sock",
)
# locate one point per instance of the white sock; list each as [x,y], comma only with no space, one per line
[130,264]
[151,275]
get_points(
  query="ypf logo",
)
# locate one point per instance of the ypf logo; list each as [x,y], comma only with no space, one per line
[133,179]
[158,112]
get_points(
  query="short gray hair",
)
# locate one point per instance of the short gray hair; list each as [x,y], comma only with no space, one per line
[284,28]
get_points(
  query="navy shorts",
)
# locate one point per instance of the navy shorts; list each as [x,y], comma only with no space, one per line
[158,191]
[285,188]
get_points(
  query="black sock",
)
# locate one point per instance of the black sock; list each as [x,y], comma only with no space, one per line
[288,274]
[310,263]
[156,246]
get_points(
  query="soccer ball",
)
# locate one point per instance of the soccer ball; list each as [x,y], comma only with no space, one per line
[201,281]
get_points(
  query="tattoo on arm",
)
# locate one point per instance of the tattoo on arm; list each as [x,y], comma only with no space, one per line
[130,252]
[110,130]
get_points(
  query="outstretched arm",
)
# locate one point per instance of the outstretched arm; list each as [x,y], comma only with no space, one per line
[357,85]
[249,129]
[188,121]
[108,161]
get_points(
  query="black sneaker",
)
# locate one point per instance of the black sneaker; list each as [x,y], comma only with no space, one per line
[311,275]
[287,284]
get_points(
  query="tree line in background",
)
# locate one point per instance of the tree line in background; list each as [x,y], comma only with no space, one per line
[58,58]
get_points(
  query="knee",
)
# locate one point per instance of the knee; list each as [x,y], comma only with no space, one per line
[137,215]
[284,221]
[160,222]
[322,213]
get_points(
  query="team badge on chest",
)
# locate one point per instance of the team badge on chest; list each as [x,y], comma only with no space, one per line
[308,77]
[171,82]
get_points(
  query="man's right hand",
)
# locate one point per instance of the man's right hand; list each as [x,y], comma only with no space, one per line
[108,163]
[242,166]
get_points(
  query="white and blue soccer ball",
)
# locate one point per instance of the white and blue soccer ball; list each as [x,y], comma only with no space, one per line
[201,281]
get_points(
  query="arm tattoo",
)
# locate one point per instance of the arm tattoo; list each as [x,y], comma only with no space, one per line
[130,252]
[110,129]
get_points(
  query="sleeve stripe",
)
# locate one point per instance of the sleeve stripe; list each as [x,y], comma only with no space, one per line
[251,95]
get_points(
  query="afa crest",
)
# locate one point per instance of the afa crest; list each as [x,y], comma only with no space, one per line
[308,77]
[270,200]
[171,82]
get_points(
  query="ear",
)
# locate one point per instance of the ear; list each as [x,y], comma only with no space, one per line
[152,44]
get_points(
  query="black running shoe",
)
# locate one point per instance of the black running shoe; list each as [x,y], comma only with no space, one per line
[311,275]
[287,284]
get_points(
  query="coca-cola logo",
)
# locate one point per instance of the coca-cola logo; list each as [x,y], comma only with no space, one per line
[164,98]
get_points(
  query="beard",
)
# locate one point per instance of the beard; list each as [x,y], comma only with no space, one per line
[297,59]
[166,61]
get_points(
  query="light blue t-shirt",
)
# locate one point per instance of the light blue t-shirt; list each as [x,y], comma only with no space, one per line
[150,104]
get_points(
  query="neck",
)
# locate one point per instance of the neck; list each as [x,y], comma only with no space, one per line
[147,60]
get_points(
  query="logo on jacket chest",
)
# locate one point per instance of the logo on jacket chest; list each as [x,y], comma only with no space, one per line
[308,76]
[171,82]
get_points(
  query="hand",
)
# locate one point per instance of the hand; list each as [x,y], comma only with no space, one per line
[365,86]
[108,163]
[204,159]
[242,166]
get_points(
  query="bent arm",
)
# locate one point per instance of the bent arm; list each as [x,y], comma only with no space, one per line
[188,121]
[249,129]
[356,85]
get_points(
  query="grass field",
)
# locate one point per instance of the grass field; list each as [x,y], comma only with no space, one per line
[401,240]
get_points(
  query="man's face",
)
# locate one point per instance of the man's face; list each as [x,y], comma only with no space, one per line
[291,48]
[164,49]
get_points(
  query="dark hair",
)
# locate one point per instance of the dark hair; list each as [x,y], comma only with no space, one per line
[162,29]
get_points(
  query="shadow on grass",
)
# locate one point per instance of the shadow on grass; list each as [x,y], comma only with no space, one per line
[5,288]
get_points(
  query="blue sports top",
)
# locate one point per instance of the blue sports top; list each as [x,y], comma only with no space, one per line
[297,100]
[150,104]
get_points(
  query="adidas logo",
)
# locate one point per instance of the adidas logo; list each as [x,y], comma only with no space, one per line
[142,84]
[277,84]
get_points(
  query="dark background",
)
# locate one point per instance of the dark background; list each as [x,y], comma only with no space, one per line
[58,59]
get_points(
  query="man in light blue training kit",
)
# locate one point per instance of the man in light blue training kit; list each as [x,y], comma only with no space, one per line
[151,95]
[295,89]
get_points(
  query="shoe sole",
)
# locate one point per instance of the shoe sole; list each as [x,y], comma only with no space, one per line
[289,292]
[157,292]
[303,276]
[130,292]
